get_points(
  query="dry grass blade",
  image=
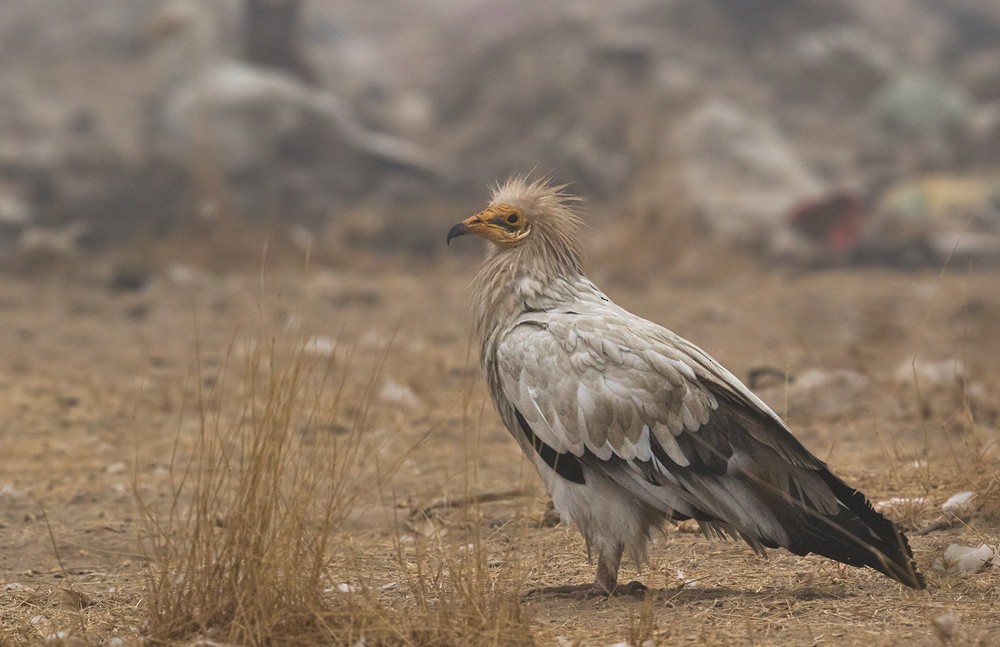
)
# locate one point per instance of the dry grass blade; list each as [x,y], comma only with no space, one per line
[458,598]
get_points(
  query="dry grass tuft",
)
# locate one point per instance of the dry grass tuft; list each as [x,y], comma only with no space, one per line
[242,552]
[252,548]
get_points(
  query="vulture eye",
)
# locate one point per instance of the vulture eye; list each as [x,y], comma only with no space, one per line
[512,218]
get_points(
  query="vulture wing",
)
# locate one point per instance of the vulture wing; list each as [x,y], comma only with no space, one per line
[608,391]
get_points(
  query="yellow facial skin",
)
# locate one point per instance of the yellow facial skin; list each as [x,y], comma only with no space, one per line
[502,224]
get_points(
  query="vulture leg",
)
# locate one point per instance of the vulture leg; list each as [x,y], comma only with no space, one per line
[607,571]
[607,577]
[604,585]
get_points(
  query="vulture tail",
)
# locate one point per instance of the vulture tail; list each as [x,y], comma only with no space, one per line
[850,531]
[857,535]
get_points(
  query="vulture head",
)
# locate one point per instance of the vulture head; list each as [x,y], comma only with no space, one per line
[527,220]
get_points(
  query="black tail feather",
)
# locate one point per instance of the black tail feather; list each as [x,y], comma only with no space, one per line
[858,535]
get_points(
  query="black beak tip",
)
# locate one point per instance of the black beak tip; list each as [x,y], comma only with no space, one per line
[458,230]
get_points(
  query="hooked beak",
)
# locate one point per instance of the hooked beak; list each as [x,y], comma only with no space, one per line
[471,225]
[458,230]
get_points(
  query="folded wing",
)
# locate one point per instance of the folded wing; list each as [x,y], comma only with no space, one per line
[621,395]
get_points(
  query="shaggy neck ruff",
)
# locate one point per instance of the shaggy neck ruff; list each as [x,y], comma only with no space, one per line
[545,268]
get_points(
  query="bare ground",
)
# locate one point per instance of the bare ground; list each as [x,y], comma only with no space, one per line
[97,392]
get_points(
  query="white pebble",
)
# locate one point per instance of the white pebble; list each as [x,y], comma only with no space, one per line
[965,560]
[946,624]
[115,468]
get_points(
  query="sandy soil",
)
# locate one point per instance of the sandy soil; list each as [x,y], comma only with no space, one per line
[97,385]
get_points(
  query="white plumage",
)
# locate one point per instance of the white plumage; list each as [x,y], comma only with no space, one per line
[629,425]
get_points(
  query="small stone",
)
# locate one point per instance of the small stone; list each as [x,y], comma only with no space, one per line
[965,560]
[688,583]
[946,625]
[128,278]
[71,599]
[181,274]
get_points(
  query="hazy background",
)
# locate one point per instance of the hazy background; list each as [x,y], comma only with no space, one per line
[811,132]
[214,213]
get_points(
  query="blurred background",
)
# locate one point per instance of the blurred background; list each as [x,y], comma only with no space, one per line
[199,196]
[806,132]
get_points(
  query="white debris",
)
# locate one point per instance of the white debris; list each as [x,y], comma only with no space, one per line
[58,242]
[901,502]
[320,345]
[14,212]
[203,641]
[946,624]
[393,392]
[62,638]
[302,237]
[684,580]
[959,503]
[344,587]
[115,468]
[965,560]
[946,372]
[43,627]
[180,274]
[290,322]
[8,491]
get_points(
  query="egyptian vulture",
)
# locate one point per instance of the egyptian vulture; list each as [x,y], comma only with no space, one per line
[629,425]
